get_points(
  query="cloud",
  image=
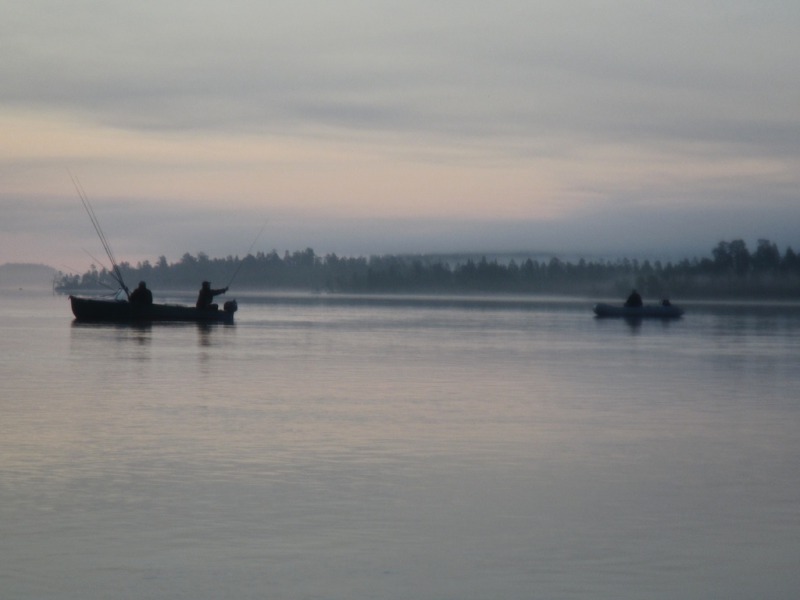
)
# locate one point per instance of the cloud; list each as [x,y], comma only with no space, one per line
[336,115]
[686,71]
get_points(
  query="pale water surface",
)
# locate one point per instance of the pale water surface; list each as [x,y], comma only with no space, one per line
[397,448]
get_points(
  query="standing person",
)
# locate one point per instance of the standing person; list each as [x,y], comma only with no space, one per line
[206,296]
[141,296]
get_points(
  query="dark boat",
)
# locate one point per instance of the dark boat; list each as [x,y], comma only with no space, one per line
[121,311]
[659,311]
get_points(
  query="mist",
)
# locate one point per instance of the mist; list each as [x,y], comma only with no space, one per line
[145,231]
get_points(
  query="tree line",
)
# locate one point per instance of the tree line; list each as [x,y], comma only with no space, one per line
[731,271]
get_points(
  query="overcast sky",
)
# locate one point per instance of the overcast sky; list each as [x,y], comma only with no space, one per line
[362,127]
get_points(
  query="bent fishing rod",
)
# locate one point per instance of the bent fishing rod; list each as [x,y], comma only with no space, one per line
[241,262]
[115,272]
[99,262]
[78,274]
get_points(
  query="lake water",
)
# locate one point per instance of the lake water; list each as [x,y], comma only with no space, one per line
[329,447]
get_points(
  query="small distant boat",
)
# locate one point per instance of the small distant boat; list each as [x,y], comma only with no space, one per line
[660,311]
[105,310]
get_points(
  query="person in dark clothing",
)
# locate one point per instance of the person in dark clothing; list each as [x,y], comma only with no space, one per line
[206,296]
[141,296]
[634,299]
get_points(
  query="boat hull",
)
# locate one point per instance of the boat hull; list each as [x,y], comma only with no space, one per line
[652,311]
[115,311]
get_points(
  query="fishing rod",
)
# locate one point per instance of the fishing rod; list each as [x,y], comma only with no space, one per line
[241,262]
[77,273]
[95,259]
[99,262]
[115,272]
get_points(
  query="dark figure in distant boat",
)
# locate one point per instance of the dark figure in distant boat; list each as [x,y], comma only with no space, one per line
[634,300]
[141,296]
[206,297]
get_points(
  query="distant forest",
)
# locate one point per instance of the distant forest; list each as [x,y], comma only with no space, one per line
[731,271]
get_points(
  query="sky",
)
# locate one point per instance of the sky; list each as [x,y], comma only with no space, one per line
[597,127]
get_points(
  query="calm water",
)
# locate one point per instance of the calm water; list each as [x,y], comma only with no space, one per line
[389,448]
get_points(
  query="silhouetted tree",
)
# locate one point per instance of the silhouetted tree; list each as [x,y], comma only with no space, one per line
[767,258]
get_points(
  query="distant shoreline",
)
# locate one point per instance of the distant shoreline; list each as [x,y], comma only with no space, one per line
[26,275]
[731,272]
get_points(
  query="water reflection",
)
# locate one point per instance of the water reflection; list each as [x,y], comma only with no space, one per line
[143,331]
[204,331]
[139,332]
[635,325]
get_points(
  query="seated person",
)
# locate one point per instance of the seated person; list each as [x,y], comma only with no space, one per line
[206,296]
[141,296]
[634,300]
